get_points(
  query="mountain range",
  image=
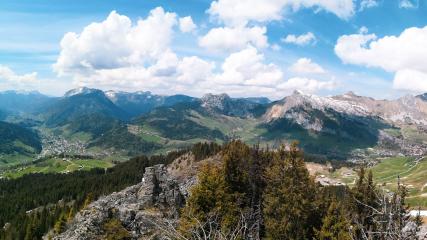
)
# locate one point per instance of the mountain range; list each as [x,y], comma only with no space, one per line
[345,126]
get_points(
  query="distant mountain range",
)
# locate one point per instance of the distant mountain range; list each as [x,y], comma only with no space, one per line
[22,102]
[139,103]
[341,127]
[79,103]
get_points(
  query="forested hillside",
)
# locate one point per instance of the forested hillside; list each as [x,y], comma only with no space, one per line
[18,140]
[53,197]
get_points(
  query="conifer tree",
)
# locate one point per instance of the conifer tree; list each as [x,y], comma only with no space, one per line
[210,198]
[236,158]
[363,201]
[289,197]
[335,225]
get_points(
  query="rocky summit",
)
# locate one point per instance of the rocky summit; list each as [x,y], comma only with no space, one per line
[139,208]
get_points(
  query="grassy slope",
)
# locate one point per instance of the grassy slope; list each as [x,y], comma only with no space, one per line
[414,176]
[58,165]
[10,160]
[225,125]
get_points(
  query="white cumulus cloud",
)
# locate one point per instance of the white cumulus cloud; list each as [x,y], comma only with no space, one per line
[240,12]
[8,75]
[116,43]
[186,24]
[411,80]
[9,79]
[306,85]
[193,69]
[403,55]
[234,38]
[247,67]
[306,66]
[302,40]
[246,73]
[120,54]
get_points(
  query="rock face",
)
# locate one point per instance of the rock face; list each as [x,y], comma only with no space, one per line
[383,124]
[137,208]
[407,109]
[224,104]
[158,190]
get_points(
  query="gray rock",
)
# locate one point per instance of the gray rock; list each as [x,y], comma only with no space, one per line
[137,207]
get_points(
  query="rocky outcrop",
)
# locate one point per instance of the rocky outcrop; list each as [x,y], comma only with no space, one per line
[137,208]
[158,190]
[225,105]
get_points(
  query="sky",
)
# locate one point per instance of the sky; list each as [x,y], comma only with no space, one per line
[245,48]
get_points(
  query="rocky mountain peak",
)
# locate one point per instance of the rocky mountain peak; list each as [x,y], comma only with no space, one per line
[224,104]
[350,94]
[212,101]
[298,92]
[81,91]
[308,101]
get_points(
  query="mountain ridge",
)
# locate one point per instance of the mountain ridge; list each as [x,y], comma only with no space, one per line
[333,125]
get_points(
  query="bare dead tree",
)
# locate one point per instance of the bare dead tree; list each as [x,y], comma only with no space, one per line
[207,229]
[391,218]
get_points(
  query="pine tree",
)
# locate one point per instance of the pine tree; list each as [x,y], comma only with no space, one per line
[210,198]
[335,225]
[230,192]
[363,200]
[236,159]
[289,197]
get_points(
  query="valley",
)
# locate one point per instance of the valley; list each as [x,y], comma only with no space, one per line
[386,171]
[90,123]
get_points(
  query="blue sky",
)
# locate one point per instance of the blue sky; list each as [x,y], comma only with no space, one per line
[270,50]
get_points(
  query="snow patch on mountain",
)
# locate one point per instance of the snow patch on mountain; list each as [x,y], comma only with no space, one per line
[80,91]
[299,99]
